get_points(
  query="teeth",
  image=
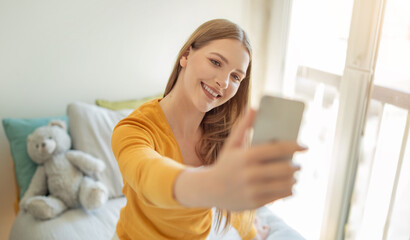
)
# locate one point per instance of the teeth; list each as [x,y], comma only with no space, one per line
[209,90]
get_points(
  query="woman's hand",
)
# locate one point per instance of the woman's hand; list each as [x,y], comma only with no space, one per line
[263,230]
[242,178]
[248,178]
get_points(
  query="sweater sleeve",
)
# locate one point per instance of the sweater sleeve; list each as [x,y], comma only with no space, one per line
[148,173]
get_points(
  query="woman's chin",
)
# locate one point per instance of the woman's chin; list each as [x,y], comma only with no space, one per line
[204,107]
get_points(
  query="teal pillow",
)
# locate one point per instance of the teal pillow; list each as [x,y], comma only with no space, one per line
[17,130]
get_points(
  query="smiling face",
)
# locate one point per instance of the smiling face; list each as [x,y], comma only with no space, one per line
[212,74]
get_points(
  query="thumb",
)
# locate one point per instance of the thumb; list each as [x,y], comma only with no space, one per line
[239,130]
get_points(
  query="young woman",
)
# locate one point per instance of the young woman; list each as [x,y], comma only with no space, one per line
[187,152]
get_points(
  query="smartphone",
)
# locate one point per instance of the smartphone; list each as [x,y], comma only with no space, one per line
[278,119]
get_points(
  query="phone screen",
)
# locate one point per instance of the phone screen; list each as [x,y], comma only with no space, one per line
[278,119]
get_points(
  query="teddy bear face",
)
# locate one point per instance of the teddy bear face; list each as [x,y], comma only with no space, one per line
[47,141]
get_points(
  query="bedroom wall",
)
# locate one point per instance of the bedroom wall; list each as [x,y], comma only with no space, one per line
[57,52]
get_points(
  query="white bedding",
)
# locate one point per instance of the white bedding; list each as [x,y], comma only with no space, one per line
[76,224]
[279,230]
[71,225]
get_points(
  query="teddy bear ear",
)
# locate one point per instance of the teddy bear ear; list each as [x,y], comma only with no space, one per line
[58,123]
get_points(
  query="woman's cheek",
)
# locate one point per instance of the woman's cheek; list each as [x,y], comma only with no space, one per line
[201,69]
[233,88]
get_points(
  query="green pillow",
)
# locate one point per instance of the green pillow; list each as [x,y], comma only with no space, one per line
[127,104]
[17,130]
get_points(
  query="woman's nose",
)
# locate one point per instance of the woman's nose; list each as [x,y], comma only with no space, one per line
[222,81]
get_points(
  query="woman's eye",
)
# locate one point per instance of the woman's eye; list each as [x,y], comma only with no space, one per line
[216,63]
[236,77]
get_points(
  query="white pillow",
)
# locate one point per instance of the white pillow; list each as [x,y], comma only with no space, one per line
[91,129]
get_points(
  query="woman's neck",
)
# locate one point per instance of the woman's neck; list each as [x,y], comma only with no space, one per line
[183,117]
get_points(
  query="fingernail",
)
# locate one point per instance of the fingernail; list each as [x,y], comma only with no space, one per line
[303,146]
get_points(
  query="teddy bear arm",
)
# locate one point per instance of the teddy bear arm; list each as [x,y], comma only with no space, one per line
[37,187]
[85,162]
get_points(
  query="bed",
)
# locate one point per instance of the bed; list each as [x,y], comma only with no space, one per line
[90,127]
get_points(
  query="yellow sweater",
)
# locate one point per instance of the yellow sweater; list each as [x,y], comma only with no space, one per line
[150,160]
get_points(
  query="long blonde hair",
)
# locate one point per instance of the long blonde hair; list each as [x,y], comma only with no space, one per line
[217,123]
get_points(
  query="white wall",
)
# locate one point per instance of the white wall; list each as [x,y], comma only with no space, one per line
[56,52]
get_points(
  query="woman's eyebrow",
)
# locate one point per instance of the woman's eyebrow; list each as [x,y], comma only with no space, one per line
[226,61]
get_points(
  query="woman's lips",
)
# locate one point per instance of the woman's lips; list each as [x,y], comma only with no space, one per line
[209,91]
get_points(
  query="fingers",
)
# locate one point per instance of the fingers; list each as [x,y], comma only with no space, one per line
[272,170]
[238,133]
[272,191]
[276,195]
[284,186]
[273,186]
[270,182]
[271,151]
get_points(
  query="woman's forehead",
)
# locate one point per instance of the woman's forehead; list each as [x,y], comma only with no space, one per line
[232,50]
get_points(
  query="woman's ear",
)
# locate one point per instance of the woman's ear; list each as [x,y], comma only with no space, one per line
[184,59]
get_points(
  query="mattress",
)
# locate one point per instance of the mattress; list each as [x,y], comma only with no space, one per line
[77,224]
[71,225]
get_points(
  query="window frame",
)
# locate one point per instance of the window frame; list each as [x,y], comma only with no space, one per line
[355,93]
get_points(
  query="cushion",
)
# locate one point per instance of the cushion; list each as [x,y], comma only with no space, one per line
[17,130]
[91,128]
[126,104]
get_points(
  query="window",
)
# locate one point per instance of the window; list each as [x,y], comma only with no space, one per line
[314,64]
[355,83]
[379,206]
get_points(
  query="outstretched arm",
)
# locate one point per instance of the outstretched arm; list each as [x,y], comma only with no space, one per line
[38,186]
[85,162]
[242,178]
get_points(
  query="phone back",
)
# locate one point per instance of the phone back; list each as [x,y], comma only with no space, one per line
[277,119]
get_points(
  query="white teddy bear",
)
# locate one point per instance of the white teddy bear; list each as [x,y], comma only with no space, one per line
[69,177]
